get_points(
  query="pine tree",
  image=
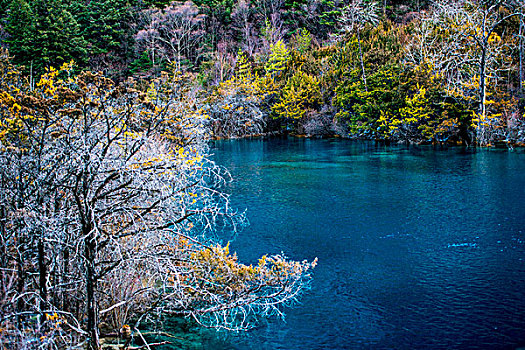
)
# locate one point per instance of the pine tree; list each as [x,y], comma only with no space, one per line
[43,33]
[21,29]
[279,56]
[4,5]
[105,25]
[242,67]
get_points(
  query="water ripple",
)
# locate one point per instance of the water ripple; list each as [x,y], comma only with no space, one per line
[417,248]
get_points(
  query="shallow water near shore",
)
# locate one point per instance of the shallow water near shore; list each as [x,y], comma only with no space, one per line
[418,248]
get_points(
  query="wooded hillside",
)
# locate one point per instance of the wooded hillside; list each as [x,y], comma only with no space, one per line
[414,71]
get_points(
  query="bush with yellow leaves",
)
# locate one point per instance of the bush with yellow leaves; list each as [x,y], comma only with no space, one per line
[109,203]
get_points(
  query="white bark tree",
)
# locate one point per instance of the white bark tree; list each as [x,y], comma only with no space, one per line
[243,22]
[461,41]
[119,208]
[178,30]
[355,16]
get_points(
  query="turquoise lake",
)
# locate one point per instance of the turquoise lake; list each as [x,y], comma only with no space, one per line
[418,248]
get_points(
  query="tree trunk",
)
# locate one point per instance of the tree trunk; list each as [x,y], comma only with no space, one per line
[31,82]
[91,289]
[178,55]
[21,277]
[42,273]
[65,299]
[3,235]
[482,95]
[361,59]
[153,57]
[520,73]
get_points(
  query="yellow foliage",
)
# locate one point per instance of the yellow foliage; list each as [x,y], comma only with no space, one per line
[301,91]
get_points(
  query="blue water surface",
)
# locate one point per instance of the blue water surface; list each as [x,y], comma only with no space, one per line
[418,248]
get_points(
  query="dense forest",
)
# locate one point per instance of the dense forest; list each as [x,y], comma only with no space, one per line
[112,213]
[412,71]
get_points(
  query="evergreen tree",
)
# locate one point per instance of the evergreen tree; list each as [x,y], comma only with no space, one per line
[279,56]
[43,33]
[4,5]
[21,28]
[106,25]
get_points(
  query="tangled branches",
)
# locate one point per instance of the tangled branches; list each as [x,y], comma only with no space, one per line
[109,209]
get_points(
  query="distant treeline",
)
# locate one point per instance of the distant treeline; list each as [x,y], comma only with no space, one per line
[413,71]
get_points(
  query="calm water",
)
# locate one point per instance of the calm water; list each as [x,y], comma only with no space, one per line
[418,248]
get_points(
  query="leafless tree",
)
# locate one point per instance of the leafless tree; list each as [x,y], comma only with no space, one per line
[243,22]
[147,38]
[355,16]
[269,9]
[177,30]
[224,59]
[461,42]
[111,204]
[235,114]
[521,41]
